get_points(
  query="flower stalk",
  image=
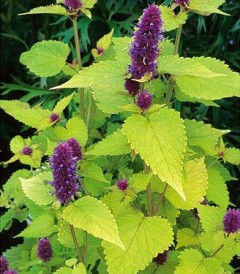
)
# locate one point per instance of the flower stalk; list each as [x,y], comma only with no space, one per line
[80,258]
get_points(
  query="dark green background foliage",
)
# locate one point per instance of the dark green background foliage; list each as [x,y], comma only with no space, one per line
[215,36]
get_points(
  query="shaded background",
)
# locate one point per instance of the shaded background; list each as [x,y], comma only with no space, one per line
[216,36]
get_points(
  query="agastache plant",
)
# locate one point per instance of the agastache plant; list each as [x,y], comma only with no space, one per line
[124,162]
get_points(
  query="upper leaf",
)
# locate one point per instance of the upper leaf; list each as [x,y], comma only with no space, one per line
[94,217]
[205,7]
[53,9]
[143,237]
[159,147]
[46,58]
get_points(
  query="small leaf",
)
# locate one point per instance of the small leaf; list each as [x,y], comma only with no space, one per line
[46,58]
[79,269]
[205,7]
[143,239]
[186,237]
[63,270]
[94,217]
[53,9]
[103,43]
[232,155]
[42,226]
[38,189]
[112,145]
[172,21]
[139,182]
[62,104]
[92,171]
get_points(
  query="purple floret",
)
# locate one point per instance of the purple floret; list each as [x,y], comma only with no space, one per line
[182,3]
[27,151]
[54,117]
[122,184]
[76,149]
[144,50]
[73,4]
[64,165]
[44,250]
[231,221]
[144,100]
[10,271]
[161,258]
[132,87]
[3,264]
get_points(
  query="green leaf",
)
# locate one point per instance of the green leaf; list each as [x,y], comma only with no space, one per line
[42,226]
[168,211]
[38,189]
[205,7]
[6,218]
[34,160]
[63,270]
[92,171]
[186,237]
[46,58]
[53,9]
[62,104]
[114,144]
[166,47]
[175,65]
[18,143]
[107,73]
[192,261]
[210,88]
[65,237]
[94,217]
[203,135]
[142,239]
[217,190]
[79,269]
[232,155]
[160,148]
[194,183]
[211,217]
[170,20]
[139,182]
[103,43]
[75,128]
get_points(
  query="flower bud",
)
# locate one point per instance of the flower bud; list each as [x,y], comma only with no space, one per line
[144,100]
[122,184]
[132,87]
[27,151]
[44,250]
[231,221]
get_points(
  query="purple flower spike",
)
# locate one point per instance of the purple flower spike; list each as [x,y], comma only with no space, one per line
[231,221]
[44,250]
[122,184]
[161,258]
[182,3]
[76,149]
[144,50]
[3,264]
[144,100]
[10,271]
[132,87]
[73,4]
[64,163]
[54,117]
[27,151]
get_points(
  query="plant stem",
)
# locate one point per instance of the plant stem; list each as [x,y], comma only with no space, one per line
[79,61]
[89,109]
[149,192]
[80,259]
[85,247]
[217,250]
[171,81]
[160,200]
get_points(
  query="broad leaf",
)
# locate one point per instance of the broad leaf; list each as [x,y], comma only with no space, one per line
[92,171]
[210,88]
[112,145]
[46,58]
[159,147]
[170,20]
[139,182]
[143,238]
[205,7]
[186,237]
[193,261]
[94,217]
[52,9]
[38,189]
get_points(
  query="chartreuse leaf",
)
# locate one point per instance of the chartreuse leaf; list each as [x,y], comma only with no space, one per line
[186,237]
[107,73]
[211,217]
[6,218]
[65,237]
[170,20]
[62,104]
[53,9]
[94,217]
[92,171]
[166,47]
[203,135]
[211,241]
[160,148]
[193,261]
[121,47]
[139,182]
[143,239]
[103,44]
[205,7]
[210,88]
[38,189]
[114,144]
[63,270]
[217,190]
[18,143]
[194,183]
[46,58]
[175,65]
[42,226]
[232,155]
[79,269]
[75,128]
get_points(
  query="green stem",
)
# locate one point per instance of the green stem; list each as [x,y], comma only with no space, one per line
[217,250]
[172,81]
[89,109]
[85,247]
[149,192]
[79,61]
[160,200]
[80,259]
